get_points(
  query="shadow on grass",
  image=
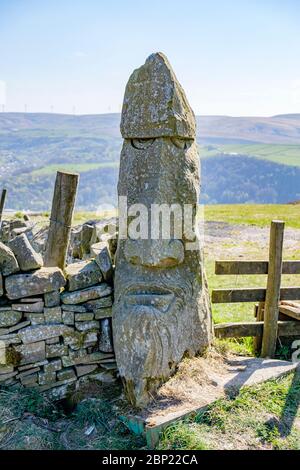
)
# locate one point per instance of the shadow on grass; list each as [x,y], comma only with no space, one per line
[244,369]
[291,406]
[284,424]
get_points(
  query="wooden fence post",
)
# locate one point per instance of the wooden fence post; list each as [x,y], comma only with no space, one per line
[271,310]
[2,202]
[61,219]
[259,317]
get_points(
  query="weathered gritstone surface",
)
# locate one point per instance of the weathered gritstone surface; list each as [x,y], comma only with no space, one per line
[55,330]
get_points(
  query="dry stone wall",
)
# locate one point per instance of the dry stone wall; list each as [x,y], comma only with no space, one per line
[55,327]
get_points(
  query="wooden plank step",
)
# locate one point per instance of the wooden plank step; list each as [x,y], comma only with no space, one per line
[291,303]
[290,311]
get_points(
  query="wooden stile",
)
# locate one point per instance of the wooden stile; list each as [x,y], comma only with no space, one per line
[272,301]
[290,311]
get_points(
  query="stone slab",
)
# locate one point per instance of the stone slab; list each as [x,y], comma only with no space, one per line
[52,299]
[102,313]
[85,295]
[98,304]
[9,318]
[34,283]
[52,315]
[31,353]
[31,307]
[33,334]
[35,318]
[82,274]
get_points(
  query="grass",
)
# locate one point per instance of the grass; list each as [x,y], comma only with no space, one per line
[23,414]
[265,416]
[29,421]
[259,215]
[278,153]
[81,217]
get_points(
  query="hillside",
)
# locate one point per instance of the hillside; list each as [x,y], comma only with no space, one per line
[244,159]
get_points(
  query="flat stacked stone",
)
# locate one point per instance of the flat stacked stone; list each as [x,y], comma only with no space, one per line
[85,295]
[37,282]
[50,326]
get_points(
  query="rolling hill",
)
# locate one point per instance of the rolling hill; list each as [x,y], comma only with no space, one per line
[244,159]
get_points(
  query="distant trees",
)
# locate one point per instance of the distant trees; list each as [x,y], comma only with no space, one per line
[242,179]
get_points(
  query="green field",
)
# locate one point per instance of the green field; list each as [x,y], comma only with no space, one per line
[259,215]
[73,167]
[278,153]
[254,214]
[284,154]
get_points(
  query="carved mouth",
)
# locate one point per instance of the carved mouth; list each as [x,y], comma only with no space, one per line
[157,297]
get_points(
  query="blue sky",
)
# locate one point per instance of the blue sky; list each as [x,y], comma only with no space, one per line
[234,57]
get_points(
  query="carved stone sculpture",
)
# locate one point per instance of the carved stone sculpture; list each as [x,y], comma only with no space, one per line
[161,310]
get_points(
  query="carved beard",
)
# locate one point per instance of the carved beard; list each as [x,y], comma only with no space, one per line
[148,339]
[152,343]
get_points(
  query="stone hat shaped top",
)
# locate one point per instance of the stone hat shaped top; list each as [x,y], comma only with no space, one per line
[155,104]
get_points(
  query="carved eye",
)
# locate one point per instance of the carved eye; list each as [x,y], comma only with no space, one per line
[141,144]
[181,143]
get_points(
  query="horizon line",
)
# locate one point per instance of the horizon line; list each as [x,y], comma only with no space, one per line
[119,113]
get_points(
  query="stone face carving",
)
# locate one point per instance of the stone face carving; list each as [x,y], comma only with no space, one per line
[161,310]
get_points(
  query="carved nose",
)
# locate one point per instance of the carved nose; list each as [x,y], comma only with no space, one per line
[154,253]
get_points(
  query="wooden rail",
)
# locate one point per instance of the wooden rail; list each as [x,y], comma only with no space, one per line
[241,329]
[251,294]
[254,267]
[267,327]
